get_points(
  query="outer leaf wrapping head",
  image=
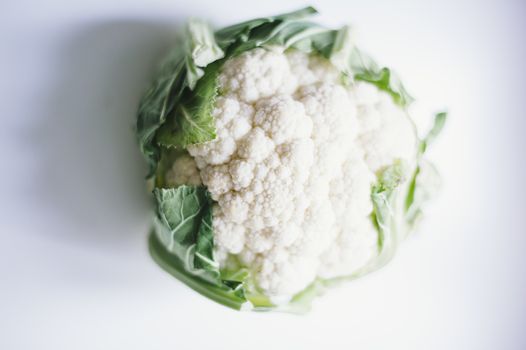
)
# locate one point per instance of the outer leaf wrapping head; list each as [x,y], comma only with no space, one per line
[170,96]
[201,50]
[383,196]
[191,120]
[184,226]
[365,69]
[425,180]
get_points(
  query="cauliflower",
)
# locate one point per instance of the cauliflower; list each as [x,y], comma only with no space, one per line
[297,171]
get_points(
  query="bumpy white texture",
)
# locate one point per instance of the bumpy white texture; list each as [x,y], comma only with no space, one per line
[183,172]
[292,167]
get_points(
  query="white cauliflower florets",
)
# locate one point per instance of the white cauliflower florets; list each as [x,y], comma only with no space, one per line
[292,167]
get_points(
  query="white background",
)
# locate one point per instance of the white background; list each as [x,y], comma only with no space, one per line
[74,267]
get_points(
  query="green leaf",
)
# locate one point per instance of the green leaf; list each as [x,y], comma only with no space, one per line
[242,32]
[366,69]
[191,121]
[305,36]
[288,30]
[391,177]
[425,183]
[204,248]
[183,225]
[425,179]
[202,50]
[156,104]
[301,303]
[220,293]
[438,125]
[179,73]
[340,55]
[410,197]
[383,196]
[356,65]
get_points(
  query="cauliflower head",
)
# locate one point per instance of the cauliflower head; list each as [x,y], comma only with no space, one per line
[279,169]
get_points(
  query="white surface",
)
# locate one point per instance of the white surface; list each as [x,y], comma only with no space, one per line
[75,273]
